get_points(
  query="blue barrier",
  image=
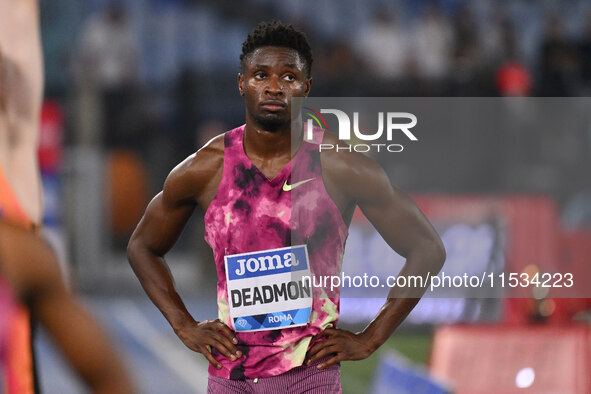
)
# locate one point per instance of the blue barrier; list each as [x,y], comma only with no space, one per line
[396,375]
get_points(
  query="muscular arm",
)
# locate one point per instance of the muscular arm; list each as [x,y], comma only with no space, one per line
[154,236]
[33,272]
[357,180]
[191,182]
[409,233]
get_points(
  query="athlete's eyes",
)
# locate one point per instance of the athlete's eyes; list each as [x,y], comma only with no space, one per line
[259,75]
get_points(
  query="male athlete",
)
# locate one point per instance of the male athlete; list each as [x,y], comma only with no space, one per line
[29,274]
[258,218]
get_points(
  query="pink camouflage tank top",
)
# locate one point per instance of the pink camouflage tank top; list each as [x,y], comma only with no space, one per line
[251,213]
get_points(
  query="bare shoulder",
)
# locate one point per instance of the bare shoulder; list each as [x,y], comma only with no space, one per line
[351,174]
[196,176]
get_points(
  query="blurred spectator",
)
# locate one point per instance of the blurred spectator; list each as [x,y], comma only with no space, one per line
[432,44]
[466,34]
[106,64]
[558,62]
[496,35]
[468,61]
[492,36]
[106,54]
[383,45]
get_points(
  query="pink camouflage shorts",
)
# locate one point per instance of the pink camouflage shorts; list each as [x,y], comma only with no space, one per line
[302,379]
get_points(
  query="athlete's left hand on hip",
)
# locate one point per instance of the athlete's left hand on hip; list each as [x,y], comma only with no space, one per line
[341,344]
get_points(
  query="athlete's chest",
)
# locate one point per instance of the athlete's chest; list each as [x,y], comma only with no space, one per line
[246,196]
[252,211]
[269,168]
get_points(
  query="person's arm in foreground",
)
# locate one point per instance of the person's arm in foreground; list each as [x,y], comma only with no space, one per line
[156,233]
[403,226]
[32,270]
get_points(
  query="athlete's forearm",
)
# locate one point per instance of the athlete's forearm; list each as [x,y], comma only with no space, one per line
[425,262]
[158,283]
[344,345]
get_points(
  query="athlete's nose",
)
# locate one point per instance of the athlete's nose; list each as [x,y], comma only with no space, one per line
[274,87]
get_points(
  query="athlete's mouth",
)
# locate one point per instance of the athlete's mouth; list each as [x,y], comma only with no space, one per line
[273,105]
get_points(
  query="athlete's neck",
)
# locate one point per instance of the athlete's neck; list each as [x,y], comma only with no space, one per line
[271,144]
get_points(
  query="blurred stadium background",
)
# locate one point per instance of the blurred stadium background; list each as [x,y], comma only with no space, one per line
[133,87]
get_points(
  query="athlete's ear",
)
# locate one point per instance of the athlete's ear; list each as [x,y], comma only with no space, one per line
[308,86]
[241,84]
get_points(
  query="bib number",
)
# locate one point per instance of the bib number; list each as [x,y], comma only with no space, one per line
[267,289]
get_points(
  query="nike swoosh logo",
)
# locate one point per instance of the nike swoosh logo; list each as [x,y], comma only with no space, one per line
[287,188]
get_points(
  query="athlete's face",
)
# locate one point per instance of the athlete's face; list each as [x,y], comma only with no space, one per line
[270,78]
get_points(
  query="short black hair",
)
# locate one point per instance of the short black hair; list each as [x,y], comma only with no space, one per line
[278,34]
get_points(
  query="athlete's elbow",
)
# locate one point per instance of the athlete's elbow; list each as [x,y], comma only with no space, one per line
[131,246]
[140,253]
[431,252]
[436,254]
[134,248]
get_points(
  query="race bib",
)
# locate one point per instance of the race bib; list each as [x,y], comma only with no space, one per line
[266,289]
